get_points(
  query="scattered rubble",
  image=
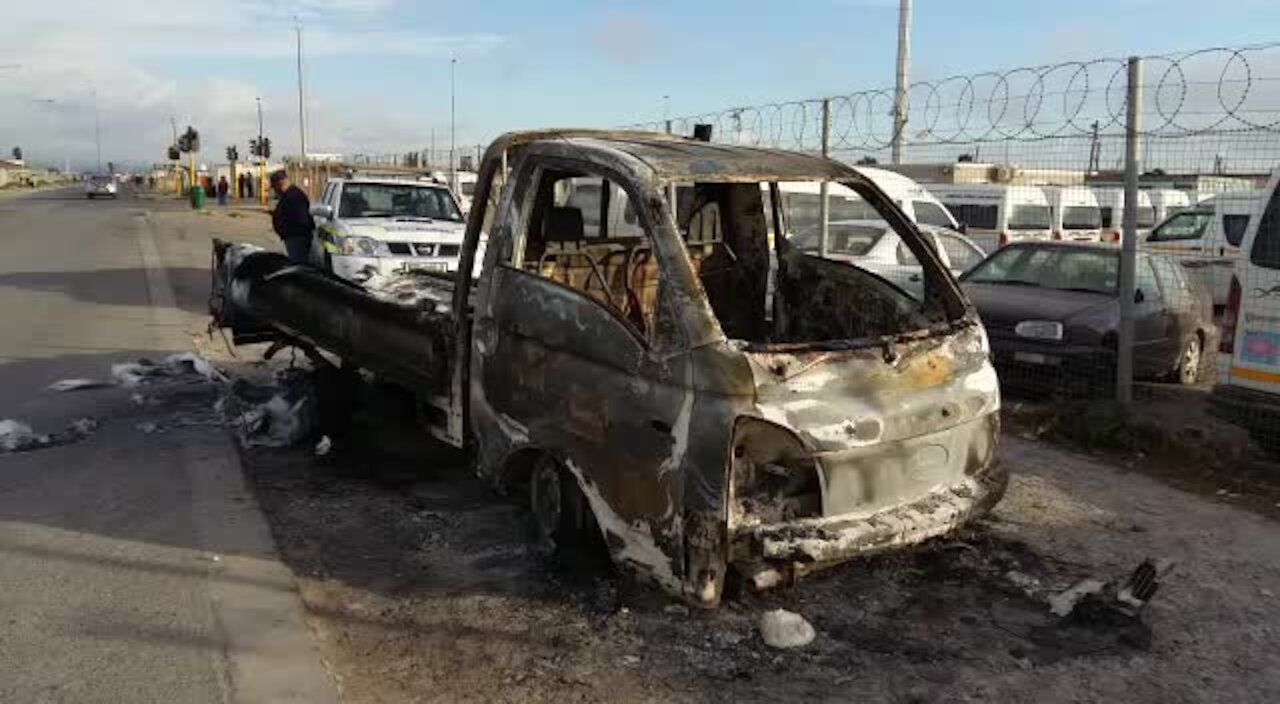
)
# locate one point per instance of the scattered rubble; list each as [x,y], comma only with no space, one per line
[277,415]
[132,374]
[77,384]
[783,629]
[16,436]
[1063,603]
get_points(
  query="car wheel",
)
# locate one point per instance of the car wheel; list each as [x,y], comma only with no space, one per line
[1189,361]
[560,511]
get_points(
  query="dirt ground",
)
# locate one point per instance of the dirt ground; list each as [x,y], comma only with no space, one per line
[423,585]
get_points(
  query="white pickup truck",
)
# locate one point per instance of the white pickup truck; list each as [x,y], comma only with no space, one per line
[368,228]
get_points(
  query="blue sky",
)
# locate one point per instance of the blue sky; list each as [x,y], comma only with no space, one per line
[378,69]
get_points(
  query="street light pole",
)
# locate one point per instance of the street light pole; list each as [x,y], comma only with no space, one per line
[302,101]
[97,128]
[453,122]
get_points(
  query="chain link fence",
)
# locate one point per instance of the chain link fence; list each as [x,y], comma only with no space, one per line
[1018,177]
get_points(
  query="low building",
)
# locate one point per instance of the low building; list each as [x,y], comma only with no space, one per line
[972,172]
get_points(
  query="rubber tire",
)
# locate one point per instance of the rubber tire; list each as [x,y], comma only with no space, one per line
[1180,374]
[561,515]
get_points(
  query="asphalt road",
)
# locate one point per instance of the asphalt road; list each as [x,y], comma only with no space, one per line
[134,566]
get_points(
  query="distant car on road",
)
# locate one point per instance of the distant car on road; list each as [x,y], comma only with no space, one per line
[377,227]
[873,245]
[104,186]
[1052,313]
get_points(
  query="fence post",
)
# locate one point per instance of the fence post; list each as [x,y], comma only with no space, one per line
[1129,238]
[824,205]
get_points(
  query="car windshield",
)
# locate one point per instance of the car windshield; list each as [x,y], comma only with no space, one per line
[386,200]
[931,214]
[843,239]
[1081,217]
[1063,268]
[1029,217]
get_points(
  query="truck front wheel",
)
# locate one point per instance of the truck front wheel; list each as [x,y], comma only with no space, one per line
[560,510]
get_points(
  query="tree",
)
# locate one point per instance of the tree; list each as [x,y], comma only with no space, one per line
[867,161]
[965,159]
[17,153]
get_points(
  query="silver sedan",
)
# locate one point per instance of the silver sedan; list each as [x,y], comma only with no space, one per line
[874,246]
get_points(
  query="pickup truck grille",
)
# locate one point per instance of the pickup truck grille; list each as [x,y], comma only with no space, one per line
[422,249]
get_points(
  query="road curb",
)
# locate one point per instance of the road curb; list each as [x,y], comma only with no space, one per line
[267,652]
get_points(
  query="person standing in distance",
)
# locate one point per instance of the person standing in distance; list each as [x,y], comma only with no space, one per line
[292,218]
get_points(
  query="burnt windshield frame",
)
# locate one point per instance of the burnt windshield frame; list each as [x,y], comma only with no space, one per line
[940,288]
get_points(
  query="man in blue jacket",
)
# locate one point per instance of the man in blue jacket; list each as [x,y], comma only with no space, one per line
[292,218]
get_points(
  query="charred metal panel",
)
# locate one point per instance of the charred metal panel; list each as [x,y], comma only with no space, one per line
[265,290]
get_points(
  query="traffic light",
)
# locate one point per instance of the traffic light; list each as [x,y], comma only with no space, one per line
[265,148]
[233,154]
[189,141]
[174,153]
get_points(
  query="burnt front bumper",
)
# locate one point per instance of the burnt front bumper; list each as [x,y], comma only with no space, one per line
[824,540]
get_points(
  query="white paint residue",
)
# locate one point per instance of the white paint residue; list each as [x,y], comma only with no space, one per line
[803,404]
[774,414]
[680,431]
[639,549]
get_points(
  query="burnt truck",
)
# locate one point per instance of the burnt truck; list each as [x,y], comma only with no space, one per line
[648,352]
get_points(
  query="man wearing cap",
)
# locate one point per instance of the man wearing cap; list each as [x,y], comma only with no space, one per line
[292,218]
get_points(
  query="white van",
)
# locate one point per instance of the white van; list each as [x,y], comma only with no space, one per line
[1076,215]
[915,200]
[995,214]
[1206,238]
[804,198]
[464,189]
[1111,212]
[1248,389]
[1168,201]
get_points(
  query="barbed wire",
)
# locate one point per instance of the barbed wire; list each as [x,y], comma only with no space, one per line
[1207,91]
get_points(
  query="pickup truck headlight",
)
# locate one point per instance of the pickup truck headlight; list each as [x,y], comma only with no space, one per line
[1039,329]
[362,246]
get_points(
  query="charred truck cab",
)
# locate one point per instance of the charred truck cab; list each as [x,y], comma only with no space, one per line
[648,352]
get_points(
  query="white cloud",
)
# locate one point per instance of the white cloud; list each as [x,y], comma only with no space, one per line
[130,52]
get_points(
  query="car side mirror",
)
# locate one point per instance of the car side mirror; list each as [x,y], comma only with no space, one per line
[1138,296]
[963,229]
[323,212]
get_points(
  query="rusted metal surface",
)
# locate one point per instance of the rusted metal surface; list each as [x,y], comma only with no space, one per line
[776,414]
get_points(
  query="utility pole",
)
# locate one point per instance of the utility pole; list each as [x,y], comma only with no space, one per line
[903,72]
[666,108]
[453,123]
[302,100]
